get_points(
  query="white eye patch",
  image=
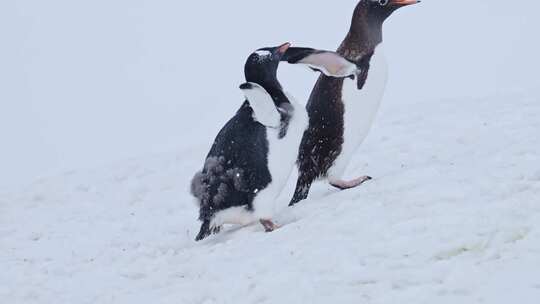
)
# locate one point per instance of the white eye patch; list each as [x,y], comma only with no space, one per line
[263,53]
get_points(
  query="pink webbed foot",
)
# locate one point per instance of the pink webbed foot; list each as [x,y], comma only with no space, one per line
[345,185]
[268,225]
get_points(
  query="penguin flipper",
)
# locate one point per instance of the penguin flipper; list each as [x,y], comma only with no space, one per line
[294,54]
[329,63]
[264,109]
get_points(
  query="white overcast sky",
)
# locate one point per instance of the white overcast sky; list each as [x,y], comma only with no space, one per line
[84,83]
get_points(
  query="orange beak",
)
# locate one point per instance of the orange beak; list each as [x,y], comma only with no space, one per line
[283,48]
[404,2]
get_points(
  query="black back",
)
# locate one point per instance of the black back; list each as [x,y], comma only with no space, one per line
[236,167]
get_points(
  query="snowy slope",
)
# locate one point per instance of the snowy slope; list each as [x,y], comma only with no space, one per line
[453,216]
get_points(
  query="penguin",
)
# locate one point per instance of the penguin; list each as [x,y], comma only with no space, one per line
[342,110]
[255,152]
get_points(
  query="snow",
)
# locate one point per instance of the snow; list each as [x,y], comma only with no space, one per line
[452,216]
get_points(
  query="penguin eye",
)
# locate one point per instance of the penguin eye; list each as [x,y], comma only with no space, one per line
[383,2]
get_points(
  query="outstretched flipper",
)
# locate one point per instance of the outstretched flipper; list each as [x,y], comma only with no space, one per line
[263,106]
[327,62]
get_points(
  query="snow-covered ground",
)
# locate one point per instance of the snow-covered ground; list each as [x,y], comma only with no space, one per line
[453,216]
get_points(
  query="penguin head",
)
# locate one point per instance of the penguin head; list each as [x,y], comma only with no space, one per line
[378,10]
[262,65]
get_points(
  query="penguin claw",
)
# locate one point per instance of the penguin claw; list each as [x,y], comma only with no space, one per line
[269,226]
[216,230]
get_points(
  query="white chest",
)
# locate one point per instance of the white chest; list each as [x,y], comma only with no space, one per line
[361,108]
[282,152]
[282,155]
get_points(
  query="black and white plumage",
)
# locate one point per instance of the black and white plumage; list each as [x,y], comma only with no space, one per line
[341,111]
[255,152]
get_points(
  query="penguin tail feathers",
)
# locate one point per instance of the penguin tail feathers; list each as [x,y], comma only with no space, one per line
[206,231]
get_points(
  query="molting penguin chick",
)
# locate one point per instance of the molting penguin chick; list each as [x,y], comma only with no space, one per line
[341,111]
[255,152]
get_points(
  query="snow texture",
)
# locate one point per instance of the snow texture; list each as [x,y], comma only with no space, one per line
[452,216]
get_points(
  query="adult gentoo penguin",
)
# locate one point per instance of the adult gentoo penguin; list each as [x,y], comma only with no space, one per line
[255,152]
[342,110]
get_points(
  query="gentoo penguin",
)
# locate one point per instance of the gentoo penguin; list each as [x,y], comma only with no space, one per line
[342,110]
[255,152]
